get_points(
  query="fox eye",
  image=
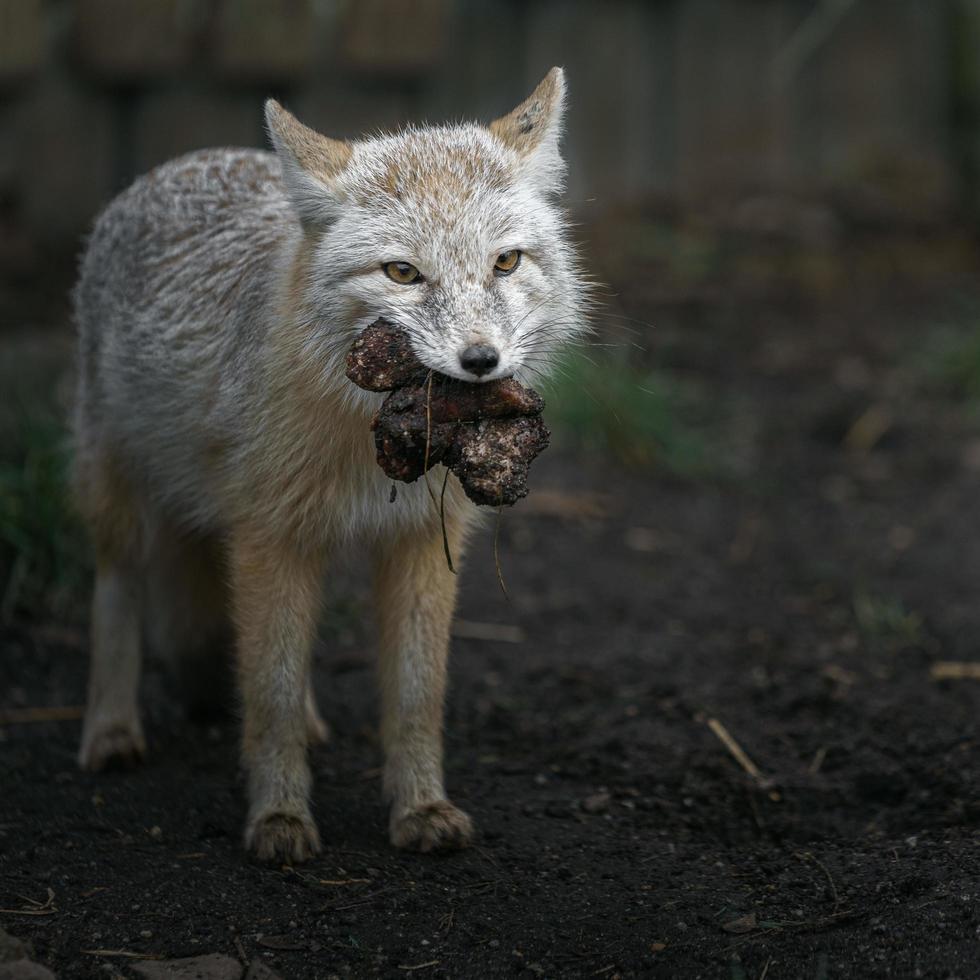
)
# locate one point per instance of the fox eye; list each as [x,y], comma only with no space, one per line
[404,273]
[507,262]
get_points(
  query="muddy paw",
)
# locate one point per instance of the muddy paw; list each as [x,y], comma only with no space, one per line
[116,746]
[283,838]
[434,827]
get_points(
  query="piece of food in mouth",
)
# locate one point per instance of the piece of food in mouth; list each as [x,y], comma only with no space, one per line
[382,359]
[492,457]
[487,434]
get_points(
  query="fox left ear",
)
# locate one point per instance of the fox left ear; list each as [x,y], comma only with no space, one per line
[310,163]
[533,130]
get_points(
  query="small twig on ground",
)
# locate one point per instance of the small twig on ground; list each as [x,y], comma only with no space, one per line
[738,754]
[955,670]
[126,953]
[242,955]
[865,433]
[419,966]
[818,758]
[765,969]
[47,907]
[809,856]
[30,716]
[46,904]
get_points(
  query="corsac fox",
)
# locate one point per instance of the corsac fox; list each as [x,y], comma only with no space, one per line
[221,454]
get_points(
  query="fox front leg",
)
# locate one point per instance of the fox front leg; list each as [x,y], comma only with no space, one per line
[276,597]
[416,593]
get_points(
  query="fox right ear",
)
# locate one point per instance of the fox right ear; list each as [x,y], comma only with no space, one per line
[533,131]
[310,163]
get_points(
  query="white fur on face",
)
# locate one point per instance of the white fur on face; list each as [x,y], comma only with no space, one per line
[449,200]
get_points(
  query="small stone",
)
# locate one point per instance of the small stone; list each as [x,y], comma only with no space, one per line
[155,832]
[596,803]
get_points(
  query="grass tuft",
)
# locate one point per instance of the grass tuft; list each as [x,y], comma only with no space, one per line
[958,366]
[640,417]
[885,623]
[43,553]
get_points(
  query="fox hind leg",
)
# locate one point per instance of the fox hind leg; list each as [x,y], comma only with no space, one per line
[112,733]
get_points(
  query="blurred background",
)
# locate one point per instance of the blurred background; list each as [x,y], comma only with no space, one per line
[755,108]
[788,174]
[731,162]
[769,455]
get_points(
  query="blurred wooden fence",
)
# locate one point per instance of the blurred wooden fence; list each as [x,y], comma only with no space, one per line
[683,99]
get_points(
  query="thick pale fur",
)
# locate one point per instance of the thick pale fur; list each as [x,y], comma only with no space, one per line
[216,434]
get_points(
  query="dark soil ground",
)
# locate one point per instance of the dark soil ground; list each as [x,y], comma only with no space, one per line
[800,594]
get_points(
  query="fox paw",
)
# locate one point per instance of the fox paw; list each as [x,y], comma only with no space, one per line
[283,838]
[119,745]
[437,826]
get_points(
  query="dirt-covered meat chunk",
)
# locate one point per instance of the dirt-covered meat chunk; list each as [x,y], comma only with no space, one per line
[382,359]
[492,457]
[487,434]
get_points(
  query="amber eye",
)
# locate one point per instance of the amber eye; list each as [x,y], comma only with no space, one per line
[404,273]
[507,262]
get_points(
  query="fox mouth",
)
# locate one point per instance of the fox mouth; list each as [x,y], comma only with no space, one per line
[476,362]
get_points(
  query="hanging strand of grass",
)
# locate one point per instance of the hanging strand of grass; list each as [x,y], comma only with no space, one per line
[442,520]
[425,474]
[496,553]
[428,437]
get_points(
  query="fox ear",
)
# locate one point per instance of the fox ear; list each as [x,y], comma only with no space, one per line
[533,130]
[310,163]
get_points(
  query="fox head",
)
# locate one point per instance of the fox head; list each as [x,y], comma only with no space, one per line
[452,232]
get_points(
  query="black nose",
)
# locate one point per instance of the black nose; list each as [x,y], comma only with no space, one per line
[479,359]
